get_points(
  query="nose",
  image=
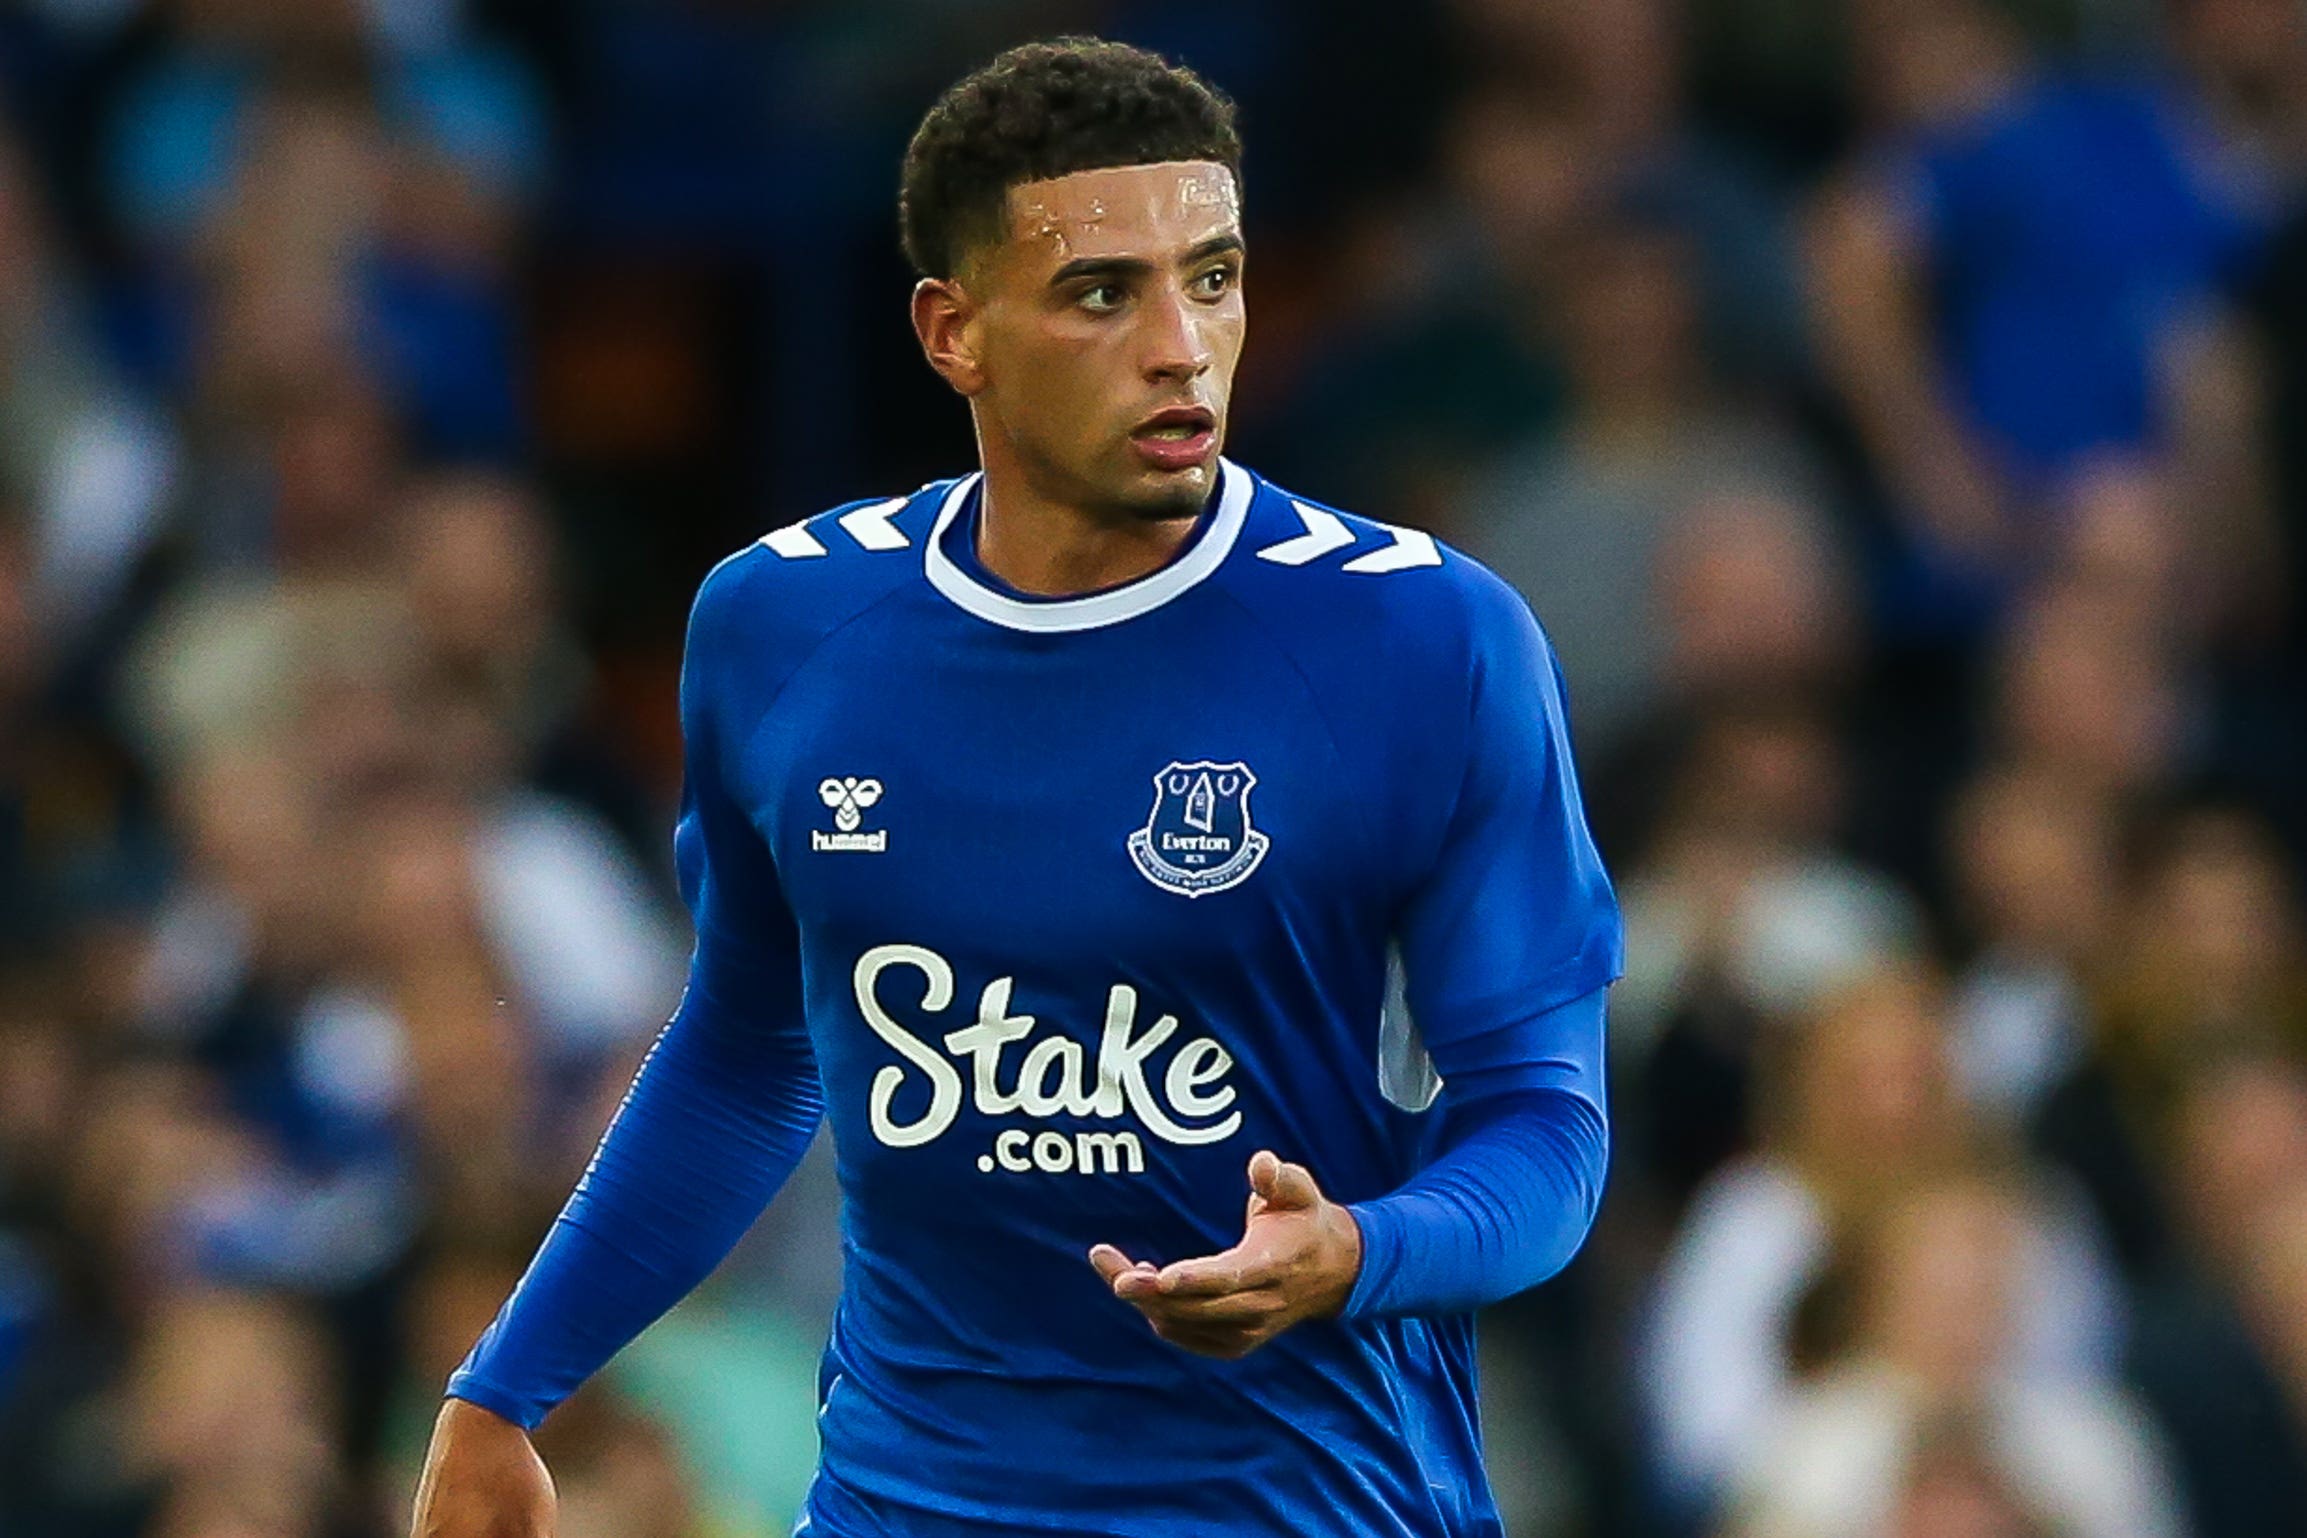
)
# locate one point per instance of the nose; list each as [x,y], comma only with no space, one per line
[1175,349]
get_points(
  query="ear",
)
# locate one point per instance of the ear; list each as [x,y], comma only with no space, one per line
[944,318]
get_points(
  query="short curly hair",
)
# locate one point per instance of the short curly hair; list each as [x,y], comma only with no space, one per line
[1046,110]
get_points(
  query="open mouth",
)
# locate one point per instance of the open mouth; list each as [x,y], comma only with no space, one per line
[1176,425]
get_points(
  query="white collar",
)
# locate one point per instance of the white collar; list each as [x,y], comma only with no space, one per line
[1090,612]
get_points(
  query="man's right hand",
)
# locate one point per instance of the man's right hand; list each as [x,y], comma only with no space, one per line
[482,1479]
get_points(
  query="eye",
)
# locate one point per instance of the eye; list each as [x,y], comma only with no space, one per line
[1102,298]
[1214,283]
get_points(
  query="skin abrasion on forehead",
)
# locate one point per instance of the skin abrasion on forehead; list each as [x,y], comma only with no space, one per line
[1091,213]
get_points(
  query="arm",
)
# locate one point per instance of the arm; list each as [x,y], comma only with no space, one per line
[715,1120]
[1504,1205]
[721,1110]
[719,1114]
[1507,944]
[1510,1197]
[1875,345]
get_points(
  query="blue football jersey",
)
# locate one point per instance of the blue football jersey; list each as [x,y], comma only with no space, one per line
[1087,899]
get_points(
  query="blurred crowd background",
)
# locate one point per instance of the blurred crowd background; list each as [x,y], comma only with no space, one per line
[1895,409]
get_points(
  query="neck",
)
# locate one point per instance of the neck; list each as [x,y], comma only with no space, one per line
[1053,547]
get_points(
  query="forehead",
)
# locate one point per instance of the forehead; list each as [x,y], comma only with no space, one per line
[1117,208]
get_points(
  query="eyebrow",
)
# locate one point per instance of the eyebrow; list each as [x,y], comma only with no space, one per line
[1138,266]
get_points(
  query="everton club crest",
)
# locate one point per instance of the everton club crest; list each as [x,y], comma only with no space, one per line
[1198,838]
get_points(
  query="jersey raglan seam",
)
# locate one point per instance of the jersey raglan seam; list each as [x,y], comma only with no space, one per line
[1373,851]
[1469,741]
[801,663]
[785,681]
[777,694]
[1361,525]
[809,655]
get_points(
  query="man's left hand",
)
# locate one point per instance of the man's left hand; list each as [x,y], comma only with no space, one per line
[1298,1258]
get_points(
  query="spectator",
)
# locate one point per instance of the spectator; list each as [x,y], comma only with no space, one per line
[393,177]
[1929,595]
[1954,1489]
[94,464]
[2209,966]
[2036,875]
[2007,283]
[1650,459]
[1741,911]
[231,1420]
[1859,1110]
[2214,1354]
[1941,1291]
[2085,698]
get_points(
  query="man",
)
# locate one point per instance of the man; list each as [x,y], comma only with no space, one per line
[1062,832]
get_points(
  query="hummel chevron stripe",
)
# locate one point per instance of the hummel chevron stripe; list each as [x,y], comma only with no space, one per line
[1411,547]
[1325,532]
[794,542]
[870,526]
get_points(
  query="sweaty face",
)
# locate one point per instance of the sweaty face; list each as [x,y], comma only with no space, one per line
[1109,322]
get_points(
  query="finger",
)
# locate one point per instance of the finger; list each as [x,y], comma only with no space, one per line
[1289,1187]
[1129,1279]
[1244,1267]
[1137,1284]
[1264,1165]
[1110,1262]
[1233,1310]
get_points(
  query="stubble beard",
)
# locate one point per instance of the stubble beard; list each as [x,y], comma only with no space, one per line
[1167,504]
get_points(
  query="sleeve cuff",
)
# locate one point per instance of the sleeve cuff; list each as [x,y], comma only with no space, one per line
[1381,1234]
[472,1389]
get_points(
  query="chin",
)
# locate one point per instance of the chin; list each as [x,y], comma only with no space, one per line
[1181,494]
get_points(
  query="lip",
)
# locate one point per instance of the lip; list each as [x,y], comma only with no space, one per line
[1189,452]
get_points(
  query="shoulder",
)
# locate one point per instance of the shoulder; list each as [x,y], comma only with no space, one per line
[774,600]
[1359,580]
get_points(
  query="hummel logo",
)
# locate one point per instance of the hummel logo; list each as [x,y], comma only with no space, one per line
[847,797]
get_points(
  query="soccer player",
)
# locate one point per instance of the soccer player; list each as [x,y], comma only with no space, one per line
[1100,839]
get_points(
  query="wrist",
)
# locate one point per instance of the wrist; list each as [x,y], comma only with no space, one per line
[1347,1267]
[472,1403]
[1376,1238]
